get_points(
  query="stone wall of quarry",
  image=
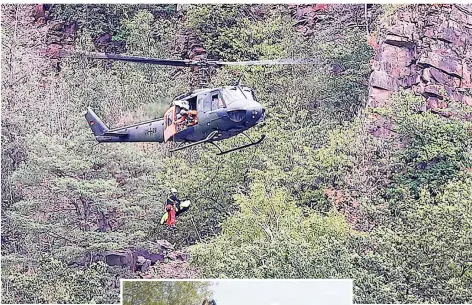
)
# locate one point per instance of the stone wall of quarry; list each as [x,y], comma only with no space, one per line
[426,49]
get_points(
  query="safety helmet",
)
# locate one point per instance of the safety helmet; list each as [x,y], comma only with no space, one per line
[173,190]
[182,104]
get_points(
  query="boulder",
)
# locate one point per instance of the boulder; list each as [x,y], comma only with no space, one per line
[142,264]
[394,61]
[165,244]
[124,258]
[402,29]
[461,14]
[409,81]
[432,90]
[179,256]
[466,81]
[56,26]
[152,256]
[378,97]
[467,100]
[136,259]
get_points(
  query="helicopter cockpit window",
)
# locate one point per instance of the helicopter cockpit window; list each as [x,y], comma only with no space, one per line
[216,101]
[230,95]
[204,103]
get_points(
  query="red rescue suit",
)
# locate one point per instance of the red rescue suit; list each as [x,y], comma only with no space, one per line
[171,215]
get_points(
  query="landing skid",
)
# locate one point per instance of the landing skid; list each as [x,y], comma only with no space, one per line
[212,136]
[240,147]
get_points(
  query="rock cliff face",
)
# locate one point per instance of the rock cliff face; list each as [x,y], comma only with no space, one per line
[426,49]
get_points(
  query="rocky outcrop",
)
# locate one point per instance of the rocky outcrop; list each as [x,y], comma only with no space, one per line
[308,15]
[189,46]
[136,259]
[325,21]
[426,49]
[59,35]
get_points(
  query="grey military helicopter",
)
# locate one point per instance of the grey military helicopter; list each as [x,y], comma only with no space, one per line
[205,115]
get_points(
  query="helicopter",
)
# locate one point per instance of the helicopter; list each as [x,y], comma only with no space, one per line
[201,116]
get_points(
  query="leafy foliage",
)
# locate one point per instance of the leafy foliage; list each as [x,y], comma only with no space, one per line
[51,281]
[422,256]
[166,293]
[271,238]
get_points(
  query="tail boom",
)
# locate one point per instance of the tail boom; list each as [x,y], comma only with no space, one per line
[149,131]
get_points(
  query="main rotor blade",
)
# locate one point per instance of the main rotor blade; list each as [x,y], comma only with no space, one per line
[139,59]
[288,61]
[189,63]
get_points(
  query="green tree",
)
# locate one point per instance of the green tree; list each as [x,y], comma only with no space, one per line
[271,238]
[166,293]
[423,256]
[48,280]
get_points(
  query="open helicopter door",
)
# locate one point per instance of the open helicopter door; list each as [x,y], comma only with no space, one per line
[169,124]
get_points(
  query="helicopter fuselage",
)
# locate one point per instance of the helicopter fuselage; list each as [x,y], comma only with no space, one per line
[228,111]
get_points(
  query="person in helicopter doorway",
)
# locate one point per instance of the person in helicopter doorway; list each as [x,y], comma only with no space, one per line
[181,110]
[184,116]
[187,117]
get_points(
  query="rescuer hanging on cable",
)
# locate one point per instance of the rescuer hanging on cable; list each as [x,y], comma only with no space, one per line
[173,207]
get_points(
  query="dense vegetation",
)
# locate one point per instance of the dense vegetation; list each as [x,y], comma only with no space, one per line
[320,198]
[166,293]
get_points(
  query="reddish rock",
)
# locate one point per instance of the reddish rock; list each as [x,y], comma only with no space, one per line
[393,59]
[382,80]
[199,50]
[442,104]
[402,29]
[429,33]
[466,81]
[461,15]
[432,103]
[426,75]
[427,50]
[434,90]
[372,41]
[409,81]
[39,12]
[441,77]
[448,35]
[447,63]
[379,97]
[467,100]
[399,41]
[405,16]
